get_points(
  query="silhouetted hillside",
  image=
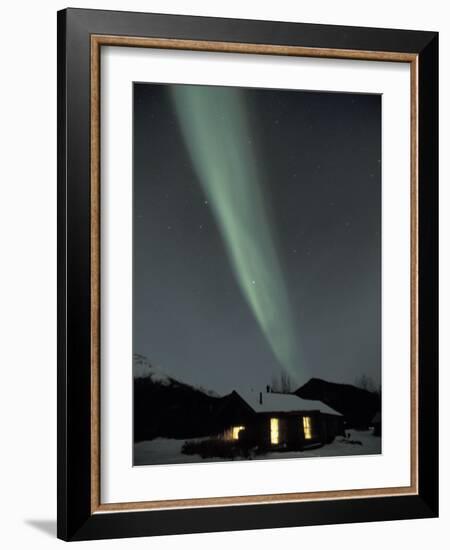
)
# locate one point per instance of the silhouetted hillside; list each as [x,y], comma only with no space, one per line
[165,407]
[357,405]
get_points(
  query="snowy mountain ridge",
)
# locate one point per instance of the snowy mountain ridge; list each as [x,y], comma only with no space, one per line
[142,368]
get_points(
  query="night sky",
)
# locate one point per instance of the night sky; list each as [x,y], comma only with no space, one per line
[315,158]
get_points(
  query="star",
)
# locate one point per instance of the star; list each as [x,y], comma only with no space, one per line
[253,282]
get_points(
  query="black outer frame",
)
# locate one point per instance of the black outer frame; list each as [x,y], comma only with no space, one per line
[75,521]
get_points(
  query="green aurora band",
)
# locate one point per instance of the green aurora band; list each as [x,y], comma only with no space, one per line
[217,135]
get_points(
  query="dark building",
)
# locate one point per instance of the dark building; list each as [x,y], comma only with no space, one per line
[376,424]
[278,421]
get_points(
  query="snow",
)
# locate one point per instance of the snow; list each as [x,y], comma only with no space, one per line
[142,368]
[211,393]
[283,402]
[168,451]
[165,451]
[370,445]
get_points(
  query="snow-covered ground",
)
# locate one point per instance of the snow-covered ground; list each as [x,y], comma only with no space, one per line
[168,451]
[165,451]
[341,446]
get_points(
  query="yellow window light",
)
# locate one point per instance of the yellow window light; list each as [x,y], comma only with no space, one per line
[236,430]
[274,431]
[307,427]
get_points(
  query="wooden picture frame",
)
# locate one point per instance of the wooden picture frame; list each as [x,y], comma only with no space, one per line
[81,35]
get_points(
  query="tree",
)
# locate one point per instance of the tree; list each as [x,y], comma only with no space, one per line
[282,383]
[367,383]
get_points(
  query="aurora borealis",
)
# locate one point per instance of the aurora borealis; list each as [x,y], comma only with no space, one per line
[256,234]
[217,134]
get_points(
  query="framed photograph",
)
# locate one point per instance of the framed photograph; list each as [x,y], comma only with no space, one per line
[247,274]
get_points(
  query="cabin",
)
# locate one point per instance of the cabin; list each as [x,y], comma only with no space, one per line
[278,421]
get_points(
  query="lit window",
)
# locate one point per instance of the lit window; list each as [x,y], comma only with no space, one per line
[274,431]
[307,427]
[236,430]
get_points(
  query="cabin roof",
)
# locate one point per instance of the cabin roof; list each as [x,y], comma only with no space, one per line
[283,402]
